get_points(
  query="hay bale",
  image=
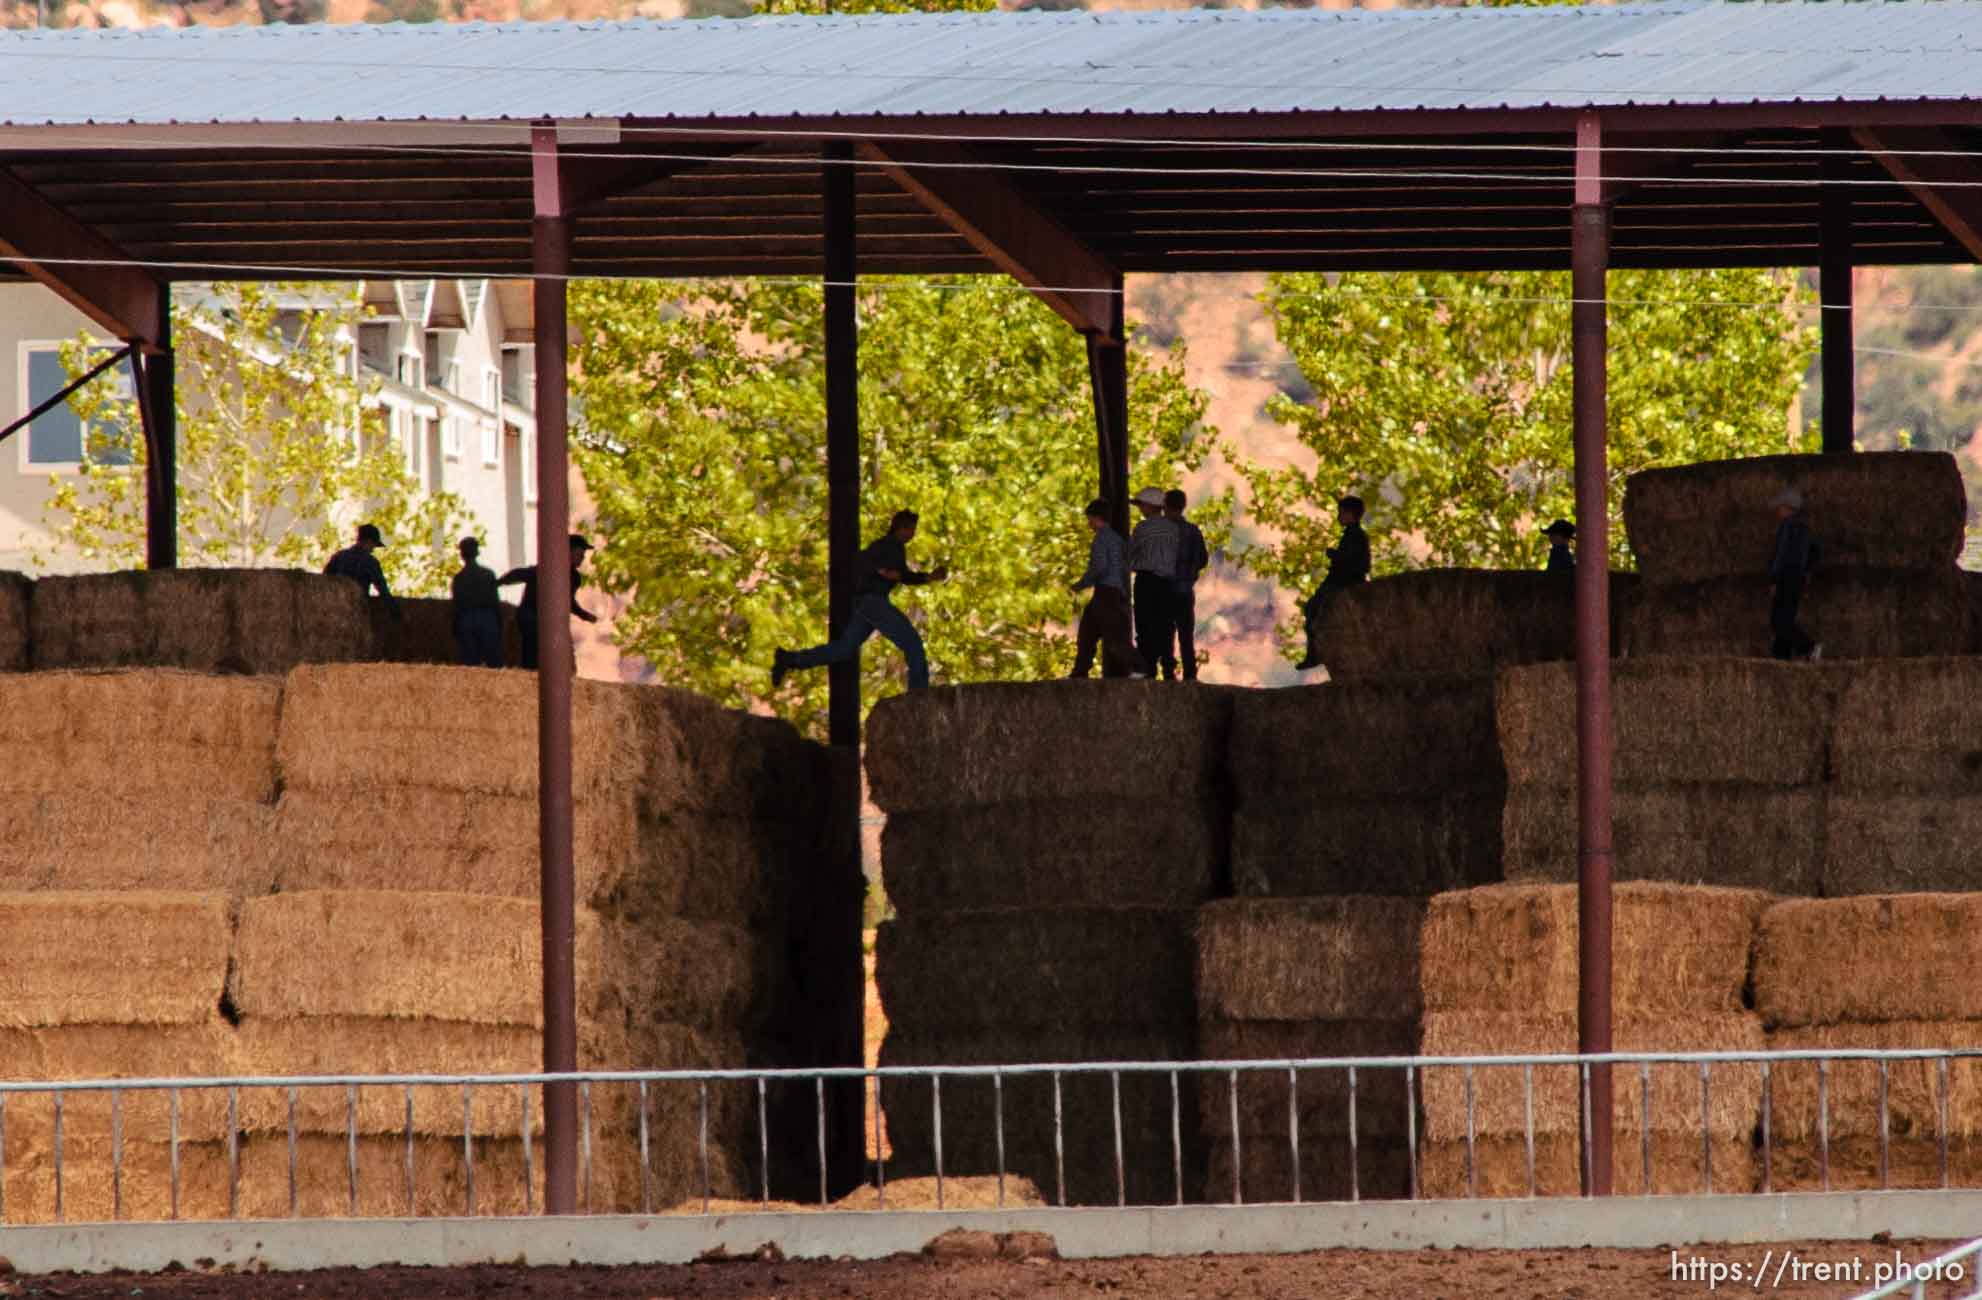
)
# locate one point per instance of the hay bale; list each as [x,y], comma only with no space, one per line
[1894,842]
[423,633]
[1679,1167]
[1899,957]
[140,958]
[1021,742]
[77,1053]
[16,595]
[1057,853]
[206,620]
[1499,1106]
[1382,1170]
[1855,613]
[1677,949]
[1004,971]
[360,727]
[1397,846]
[1739,836]
[706,759]
[65,841]
[1455,621]
[1308,959]
[89,1192]
[1320,1096]
[1087,1109]
[1880,510]
[165,734]
[1913,1088]
[1769,723]
[1375,737]
[1797,1165]
[1909,726]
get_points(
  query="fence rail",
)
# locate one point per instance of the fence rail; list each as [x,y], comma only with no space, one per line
[644,1088]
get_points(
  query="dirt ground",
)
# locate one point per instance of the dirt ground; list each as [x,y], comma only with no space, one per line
[1368,1275]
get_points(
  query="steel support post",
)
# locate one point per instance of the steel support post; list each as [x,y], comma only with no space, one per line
[1108,373]
[1589,262]
[1834,290]
[158,408]
[842,438]
[551,264]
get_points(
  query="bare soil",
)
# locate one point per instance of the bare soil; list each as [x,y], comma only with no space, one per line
[1368,1275]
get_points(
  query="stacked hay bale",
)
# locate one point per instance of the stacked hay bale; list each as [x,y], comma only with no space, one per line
[1046,846]
[16,593]
[1456,621]
[1873,972]
[1890,526]
[208,620]
[1499,972]
[1307,977]
[1717,776]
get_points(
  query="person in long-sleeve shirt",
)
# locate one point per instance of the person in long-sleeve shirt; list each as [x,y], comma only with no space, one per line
[357,563]
[1561,559]
[477,609]
[884,566]
[1348,565]
[1192,557]
[1789,570]
[1153,561]
[526,608]
[1105,620]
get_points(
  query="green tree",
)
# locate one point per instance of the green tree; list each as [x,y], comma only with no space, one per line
[1444,401]
[702,441]
[280,446]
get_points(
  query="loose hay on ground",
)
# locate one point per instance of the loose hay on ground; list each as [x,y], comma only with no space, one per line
[1411,847]
[140,958]
[1855,613]
[1381,737]
[206,620]
[66,841]
[1677,949]
[1309,959]
[1744,837]
[1868,960]
[1453,621]
[1679,1166]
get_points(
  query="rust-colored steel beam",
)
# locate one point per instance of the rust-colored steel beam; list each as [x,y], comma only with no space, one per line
[552,263]
[89,272]
[1008,227]
[842,439]
[157,384]
[1590,234]
[1108,375]
[1925,160]
[1834,270]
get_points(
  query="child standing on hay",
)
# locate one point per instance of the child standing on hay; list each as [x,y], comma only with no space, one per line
[526,608]
[884,564]
[1789,572]
[1106,618]
[357,563]
[1348,565]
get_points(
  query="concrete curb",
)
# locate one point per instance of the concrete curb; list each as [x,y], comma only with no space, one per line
[1625,1221]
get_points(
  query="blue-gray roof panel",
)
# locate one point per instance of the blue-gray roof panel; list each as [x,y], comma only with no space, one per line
[1190,61]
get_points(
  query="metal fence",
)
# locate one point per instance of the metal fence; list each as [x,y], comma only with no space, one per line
[641,1090]
[1954,1267]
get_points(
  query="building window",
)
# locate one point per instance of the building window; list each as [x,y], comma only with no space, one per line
[450,436]
[491,442]
[530,466]
[56,438]
[412,370]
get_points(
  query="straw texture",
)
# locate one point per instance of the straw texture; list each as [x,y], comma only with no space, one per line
[1679,1166]
[1855,613]
[1320,1095]
[16,596]
[1908,726]
[140,958]
[1892,842]
[1740,836]
[89,1192]
[1411,847]
[1453,621]
[1309,959]
[207,620]
[1914,1090]
[1868,960]
[1380,737]
[135,842]
[1382,1170]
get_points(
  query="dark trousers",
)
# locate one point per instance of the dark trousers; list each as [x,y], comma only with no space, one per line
[1105,621]
[526,634]
[478,637]
[871,614]
[1315,610]
[1183,621]
[1788,639]
[1152,612]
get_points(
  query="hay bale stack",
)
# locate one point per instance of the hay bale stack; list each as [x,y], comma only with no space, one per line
[206,620]
[16,596]
[1717,775]
[423,633]
[1870,960]
[153,958]
[1454,621]
[1498,972]
[1856,613]
[1376,785]
[1310,977]
[1870,510]
[1907,779]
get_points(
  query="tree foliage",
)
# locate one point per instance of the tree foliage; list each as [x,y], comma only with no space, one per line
[1444,401]
[702,440]
[270,472]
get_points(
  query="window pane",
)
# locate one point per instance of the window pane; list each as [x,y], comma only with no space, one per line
[57,437]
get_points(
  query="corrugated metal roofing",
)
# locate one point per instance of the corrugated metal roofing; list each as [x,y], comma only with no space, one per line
[1194,61]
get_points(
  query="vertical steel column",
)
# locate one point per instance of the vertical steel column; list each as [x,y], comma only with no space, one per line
[1108,373]
[1834,291]
[158,409]
[1589,262]
[551,263]
[842,437]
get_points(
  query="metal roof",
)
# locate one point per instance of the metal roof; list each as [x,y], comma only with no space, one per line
[1191,62]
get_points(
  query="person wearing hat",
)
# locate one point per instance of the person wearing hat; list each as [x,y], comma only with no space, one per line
[1153,559]
[1789,571]
[884,564]
[357,563]
[1348,565]
[477,610]
[1105,620]
[526,608]
[1561,557]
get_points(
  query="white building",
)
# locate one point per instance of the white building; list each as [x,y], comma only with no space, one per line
[454,363]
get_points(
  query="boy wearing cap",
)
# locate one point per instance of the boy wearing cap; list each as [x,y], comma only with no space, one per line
[1153,560]
[1561,559]
[1348,564]
[526,608]
[1789,569]
[357,563]
[1106,618]
[477,610]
